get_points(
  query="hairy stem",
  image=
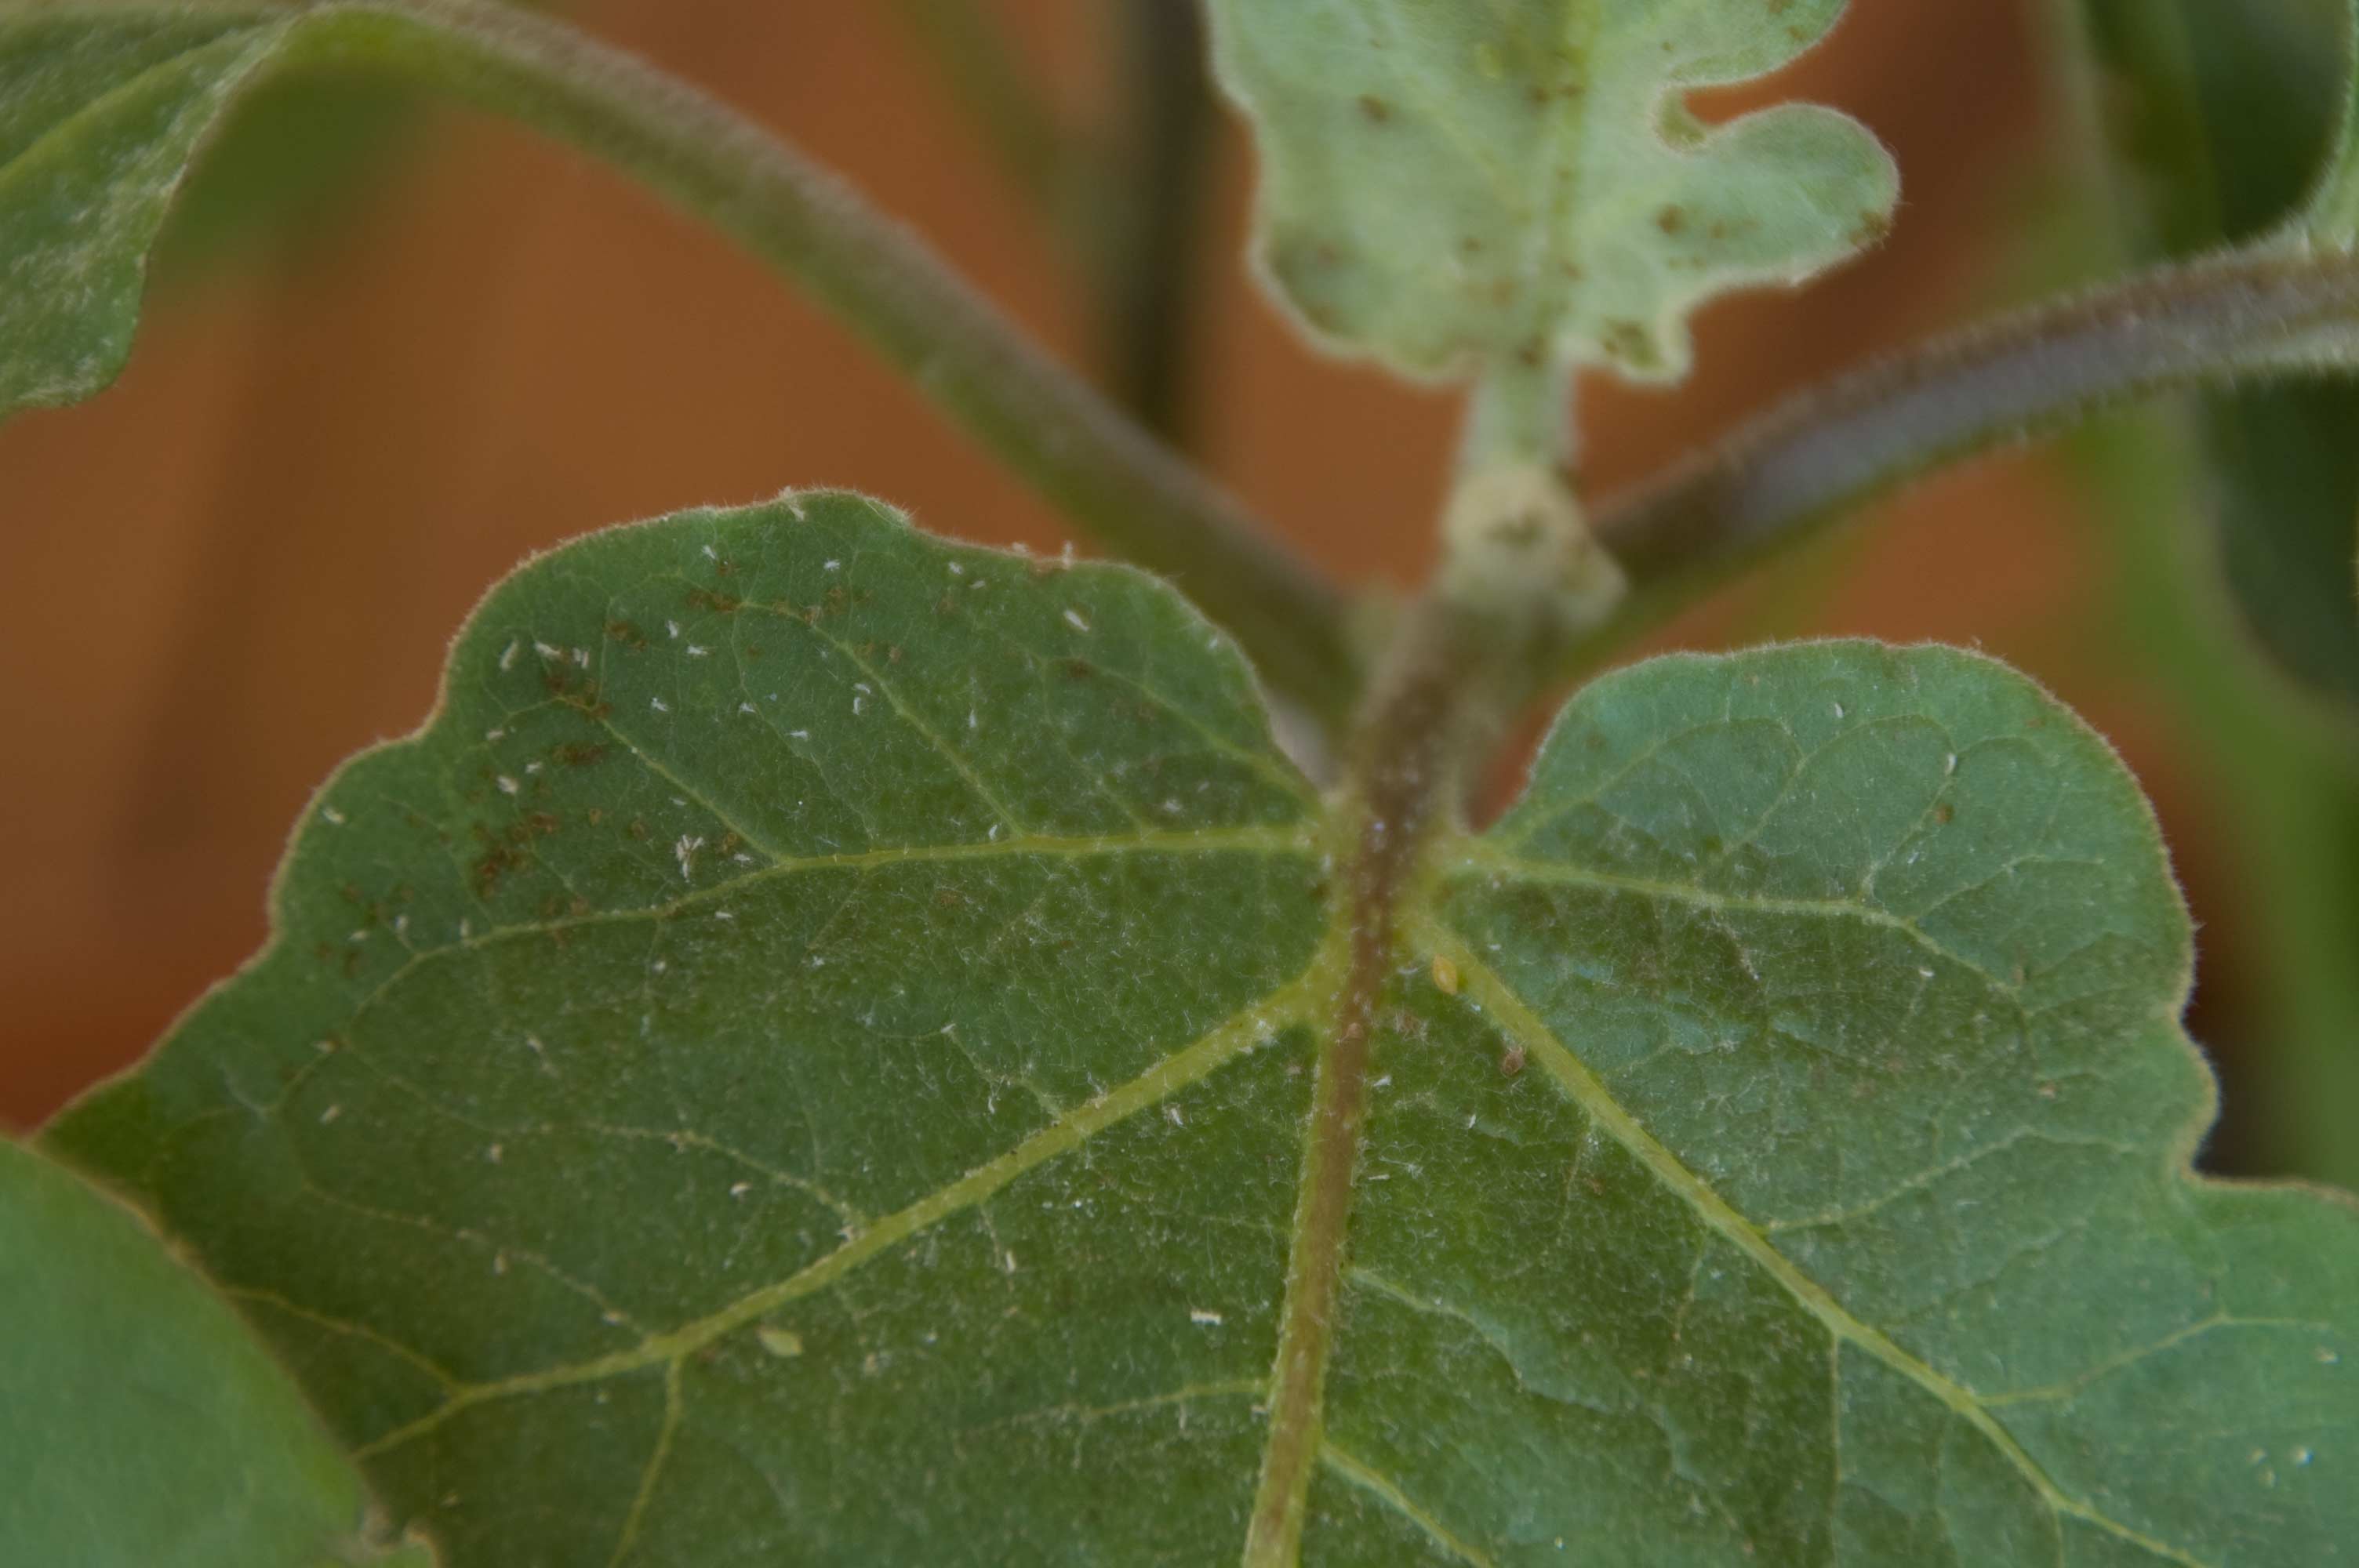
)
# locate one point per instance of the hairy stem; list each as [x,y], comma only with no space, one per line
[1111,478]
[2237,316]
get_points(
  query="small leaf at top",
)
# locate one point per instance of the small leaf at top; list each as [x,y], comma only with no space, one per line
[1447,185]
[143,1425]
[809,1057]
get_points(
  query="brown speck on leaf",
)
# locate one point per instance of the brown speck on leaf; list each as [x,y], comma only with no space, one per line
[948,898]
[1945,813]
[1628,342]
[1672,219]
[1374,108]
[625,633]
[720,603]
[1511,1061]
[495,864]
[638,828]
[579,754]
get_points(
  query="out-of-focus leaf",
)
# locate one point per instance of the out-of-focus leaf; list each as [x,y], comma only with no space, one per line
[1445,186]
[2334,216]
[140,1424]
[2228,112]
[101,112]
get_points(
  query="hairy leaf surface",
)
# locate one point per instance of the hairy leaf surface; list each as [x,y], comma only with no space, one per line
[143,1425]
[1445,186]
[808,1057]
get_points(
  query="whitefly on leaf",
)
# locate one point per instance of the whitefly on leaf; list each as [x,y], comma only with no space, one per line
[1445,186]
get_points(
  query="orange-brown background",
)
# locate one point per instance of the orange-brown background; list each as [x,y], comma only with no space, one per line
[244,561]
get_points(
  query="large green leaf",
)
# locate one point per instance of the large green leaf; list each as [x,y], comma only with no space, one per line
[1446,186]
[806,1058]
[143,1425]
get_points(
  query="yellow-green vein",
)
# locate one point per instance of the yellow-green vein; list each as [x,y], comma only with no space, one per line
[1509,1014]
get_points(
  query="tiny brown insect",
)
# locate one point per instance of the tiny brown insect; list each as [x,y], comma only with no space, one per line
[1445,975]
[1511,1062]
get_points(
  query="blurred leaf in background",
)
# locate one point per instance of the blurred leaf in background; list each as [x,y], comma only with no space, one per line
[2229,521]
[296,161]
[145,1424]
[2221,113]
[299,159]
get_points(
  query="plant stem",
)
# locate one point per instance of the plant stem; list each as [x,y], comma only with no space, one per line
[1111,478]
[1154,212]
[1519,412]
[2240,315]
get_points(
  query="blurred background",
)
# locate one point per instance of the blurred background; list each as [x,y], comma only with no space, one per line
[394,347]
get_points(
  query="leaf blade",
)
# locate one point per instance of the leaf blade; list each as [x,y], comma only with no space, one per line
[1813,1184]
[752,1256]
[920,867]
[1447,186]
[144,1426]
[102,113]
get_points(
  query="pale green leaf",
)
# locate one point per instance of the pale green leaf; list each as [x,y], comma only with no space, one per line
[806,1059]
[142,1423]
[1446,186]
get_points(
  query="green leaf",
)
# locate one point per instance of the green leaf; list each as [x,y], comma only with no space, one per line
[2333,214]
[808,1057]
[99,115]
[2224,116]
[1446,187]
[143,1425]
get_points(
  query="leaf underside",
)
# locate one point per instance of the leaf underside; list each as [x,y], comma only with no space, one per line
[1447,186]
[806,1059]
[143,1425]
